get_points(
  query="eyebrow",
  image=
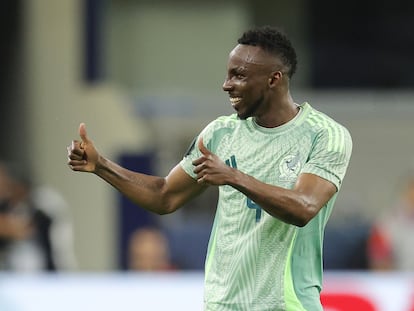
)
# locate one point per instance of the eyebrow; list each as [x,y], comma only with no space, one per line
[238,69]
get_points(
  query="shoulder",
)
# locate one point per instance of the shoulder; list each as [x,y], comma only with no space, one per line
[327,134]
[324,125]
[224,122]
[220,124]
[321,120]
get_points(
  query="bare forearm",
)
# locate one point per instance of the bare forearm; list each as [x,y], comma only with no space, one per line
[144,190]
[287,205]
[160,195]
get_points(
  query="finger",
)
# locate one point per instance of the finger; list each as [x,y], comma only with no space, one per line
[72,156]
[199,161]
[77,168]
[200,176]
[82,133]
[76,148]
[202,148]
[199,168]
[76,163]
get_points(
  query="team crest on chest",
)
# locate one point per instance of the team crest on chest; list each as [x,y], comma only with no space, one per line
[289,167]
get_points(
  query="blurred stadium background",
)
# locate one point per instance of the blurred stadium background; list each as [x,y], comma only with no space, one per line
[146,76]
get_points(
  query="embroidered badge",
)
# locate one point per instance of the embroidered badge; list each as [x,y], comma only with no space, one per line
[289,167]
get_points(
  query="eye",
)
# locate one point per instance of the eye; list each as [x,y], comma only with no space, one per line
[237,74]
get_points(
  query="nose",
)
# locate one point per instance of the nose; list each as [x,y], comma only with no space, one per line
[227,86]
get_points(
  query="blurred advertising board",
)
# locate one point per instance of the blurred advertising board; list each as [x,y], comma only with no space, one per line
[343,291]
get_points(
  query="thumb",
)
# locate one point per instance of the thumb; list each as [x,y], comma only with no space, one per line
[203,148]
[82,133]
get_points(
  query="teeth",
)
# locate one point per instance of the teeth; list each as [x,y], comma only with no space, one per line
[235,100]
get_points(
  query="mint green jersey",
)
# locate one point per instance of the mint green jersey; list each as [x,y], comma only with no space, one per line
[256,262]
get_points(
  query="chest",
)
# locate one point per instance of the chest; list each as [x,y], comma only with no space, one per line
[275,159]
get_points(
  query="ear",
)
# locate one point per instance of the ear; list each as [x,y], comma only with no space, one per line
[275,78]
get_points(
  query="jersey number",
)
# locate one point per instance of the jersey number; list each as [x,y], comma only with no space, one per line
[250,204]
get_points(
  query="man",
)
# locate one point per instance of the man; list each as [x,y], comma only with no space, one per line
[390,244]
[278,166]
[35,228]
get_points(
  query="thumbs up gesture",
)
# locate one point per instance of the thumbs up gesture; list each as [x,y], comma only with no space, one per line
[82,154]
[210,169]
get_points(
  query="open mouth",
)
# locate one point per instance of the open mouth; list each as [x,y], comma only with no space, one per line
[235,100]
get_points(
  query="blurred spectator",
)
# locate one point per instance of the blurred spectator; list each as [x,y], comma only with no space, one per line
[346,236]
[148,250]
[345,246]
[392,238]
[35,233]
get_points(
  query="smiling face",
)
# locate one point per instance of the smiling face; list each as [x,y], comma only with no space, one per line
[251,76]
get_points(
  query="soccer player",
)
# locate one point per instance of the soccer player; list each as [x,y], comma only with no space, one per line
[278,165]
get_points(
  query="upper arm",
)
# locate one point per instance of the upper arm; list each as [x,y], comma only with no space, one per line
[315,191]
[323,172]
[179,188]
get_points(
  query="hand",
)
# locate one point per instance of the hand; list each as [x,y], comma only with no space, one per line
[82,155]
[210,169]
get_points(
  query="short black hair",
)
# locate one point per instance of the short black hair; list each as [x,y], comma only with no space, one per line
[272,40]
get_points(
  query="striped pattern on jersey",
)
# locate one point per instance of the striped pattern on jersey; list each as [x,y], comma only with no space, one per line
[255,261]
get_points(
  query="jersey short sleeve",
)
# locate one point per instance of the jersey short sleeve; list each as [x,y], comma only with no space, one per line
[330,155]
[193,151]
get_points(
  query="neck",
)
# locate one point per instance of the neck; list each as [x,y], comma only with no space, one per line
[279,112]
